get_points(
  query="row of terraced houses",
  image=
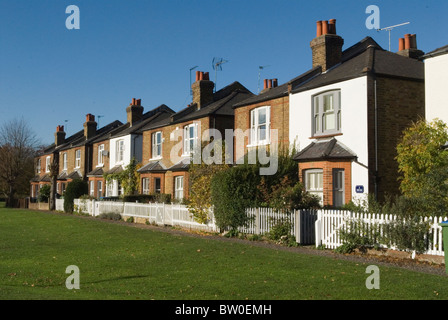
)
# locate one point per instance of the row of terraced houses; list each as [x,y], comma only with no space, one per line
[345,115]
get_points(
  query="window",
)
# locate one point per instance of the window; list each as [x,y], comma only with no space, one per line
[38,166]
[62,188]
[338,187]
[119,153]
[190,138]
[109,189]
[145,185]
[260,125]
[327,113]
[64,160]
[179,188]
[314,181]
[78,159]
[157,185]
[101,154]
[100,189]
[157,145]
[47,164]
[92,188]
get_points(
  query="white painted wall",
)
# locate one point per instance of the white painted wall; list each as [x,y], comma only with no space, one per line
[436,84]
[353,124]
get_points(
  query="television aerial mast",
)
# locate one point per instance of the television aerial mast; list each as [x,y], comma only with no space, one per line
[99,117]
[217,66]
[391,28]
[259,75]
[191,69]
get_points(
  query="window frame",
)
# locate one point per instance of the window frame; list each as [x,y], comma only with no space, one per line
[254,126]
[100,155]
[119,151]
[99,188]
[77,159]
[316,191]
[338,190]
[64,161]
[155,145]
[320,116]
[47,164]
[188,140]
[39,165]
[146,186]
[178,191]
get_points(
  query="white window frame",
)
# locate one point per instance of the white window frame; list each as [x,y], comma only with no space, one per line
[47,164]
[157,191]
[64,161]
[145,186]
[38,166]
[92,188]
[320,116]
[256,126]
[314,184]
[178,187]
[156,146]
[78,158]
[100,189]
[119,151]
[338,187]
[100,155]
[189,140]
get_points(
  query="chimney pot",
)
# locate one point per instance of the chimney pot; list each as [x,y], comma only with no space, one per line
[401,44]
[332,26]
[407,41]
[413,41]
[206,76]
[275,83]
[319,28]
[133,102]
[265,83]
[324,27]
[198,75]
[270,83]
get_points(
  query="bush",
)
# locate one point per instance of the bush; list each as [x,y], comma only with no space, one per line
[281,232]
[44,193]
[110,216]
[75,189]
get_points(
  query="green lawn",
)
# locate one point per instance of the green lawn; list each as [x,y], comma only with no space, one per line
[124,262]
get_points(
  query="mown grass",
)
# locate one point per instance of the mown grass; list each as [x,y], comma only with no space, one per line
[123,262]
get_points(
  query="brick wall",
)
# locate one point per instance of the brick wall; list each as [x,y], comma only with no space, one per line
[327,167]
[399,103]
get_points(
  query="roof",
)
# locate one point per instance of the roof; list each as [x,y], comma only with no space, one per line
[155,115]
[362,58]
[328,149]
[116,169]
[74,175]
[223,101]
[182,165]
[437,52]
[154,166]
[97,172]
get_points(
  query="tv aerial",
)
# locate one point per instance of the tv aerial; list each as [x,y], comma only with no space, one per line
[259,75]
[217,66]
[191,69]
[99,117]
[391,28]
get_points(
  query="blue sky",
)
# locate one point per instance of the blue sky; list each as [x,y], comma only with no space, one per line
[144,49]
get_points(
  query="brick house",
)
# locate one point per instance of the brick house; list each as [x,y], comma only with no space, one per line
[348,118]
[169,144]
[114,151]
[70,157]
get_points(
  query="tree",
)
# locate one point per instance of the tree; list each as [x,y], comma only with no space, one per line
[424,165]
[17,150]
[75,189]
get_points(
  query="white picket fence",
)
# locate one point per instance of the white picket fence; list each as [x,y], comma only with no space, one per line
[330,222]
[319,227]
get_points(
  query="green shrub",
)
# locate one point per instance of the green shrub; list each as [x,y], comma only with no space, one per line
[280,232]
[44,193]
[75,189]
[357,234]
[110,216]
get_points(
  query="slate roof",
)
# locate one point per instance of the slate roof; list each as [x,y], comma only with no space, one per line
[325,150]
[116,169]
[224,100]
[153,166]
[365,57]
[437,52]
[182,165]
[97,172]
[74,175]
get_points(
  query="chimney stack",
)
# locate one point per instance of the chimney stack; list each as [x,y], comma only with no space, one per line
[407,47]
[90,126]
[134,111]
[59,136]
[202,89]
[327,46]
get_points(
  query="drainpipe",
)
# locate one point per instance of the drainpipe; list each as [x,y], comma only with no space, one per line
[375,181]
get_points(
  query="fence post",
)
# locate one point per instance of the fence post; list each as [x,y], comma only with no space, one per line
[257,220]
[318,230]
[298,226]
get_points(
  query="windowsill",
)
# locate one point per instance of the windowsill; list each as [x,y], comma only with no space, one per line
[156,158]
[326,135]
[259,144]
[100,165]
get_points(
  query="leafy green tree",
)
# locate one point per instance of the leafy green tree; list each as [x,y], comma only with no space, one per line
[423,164]
[44,193]
[75,189]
